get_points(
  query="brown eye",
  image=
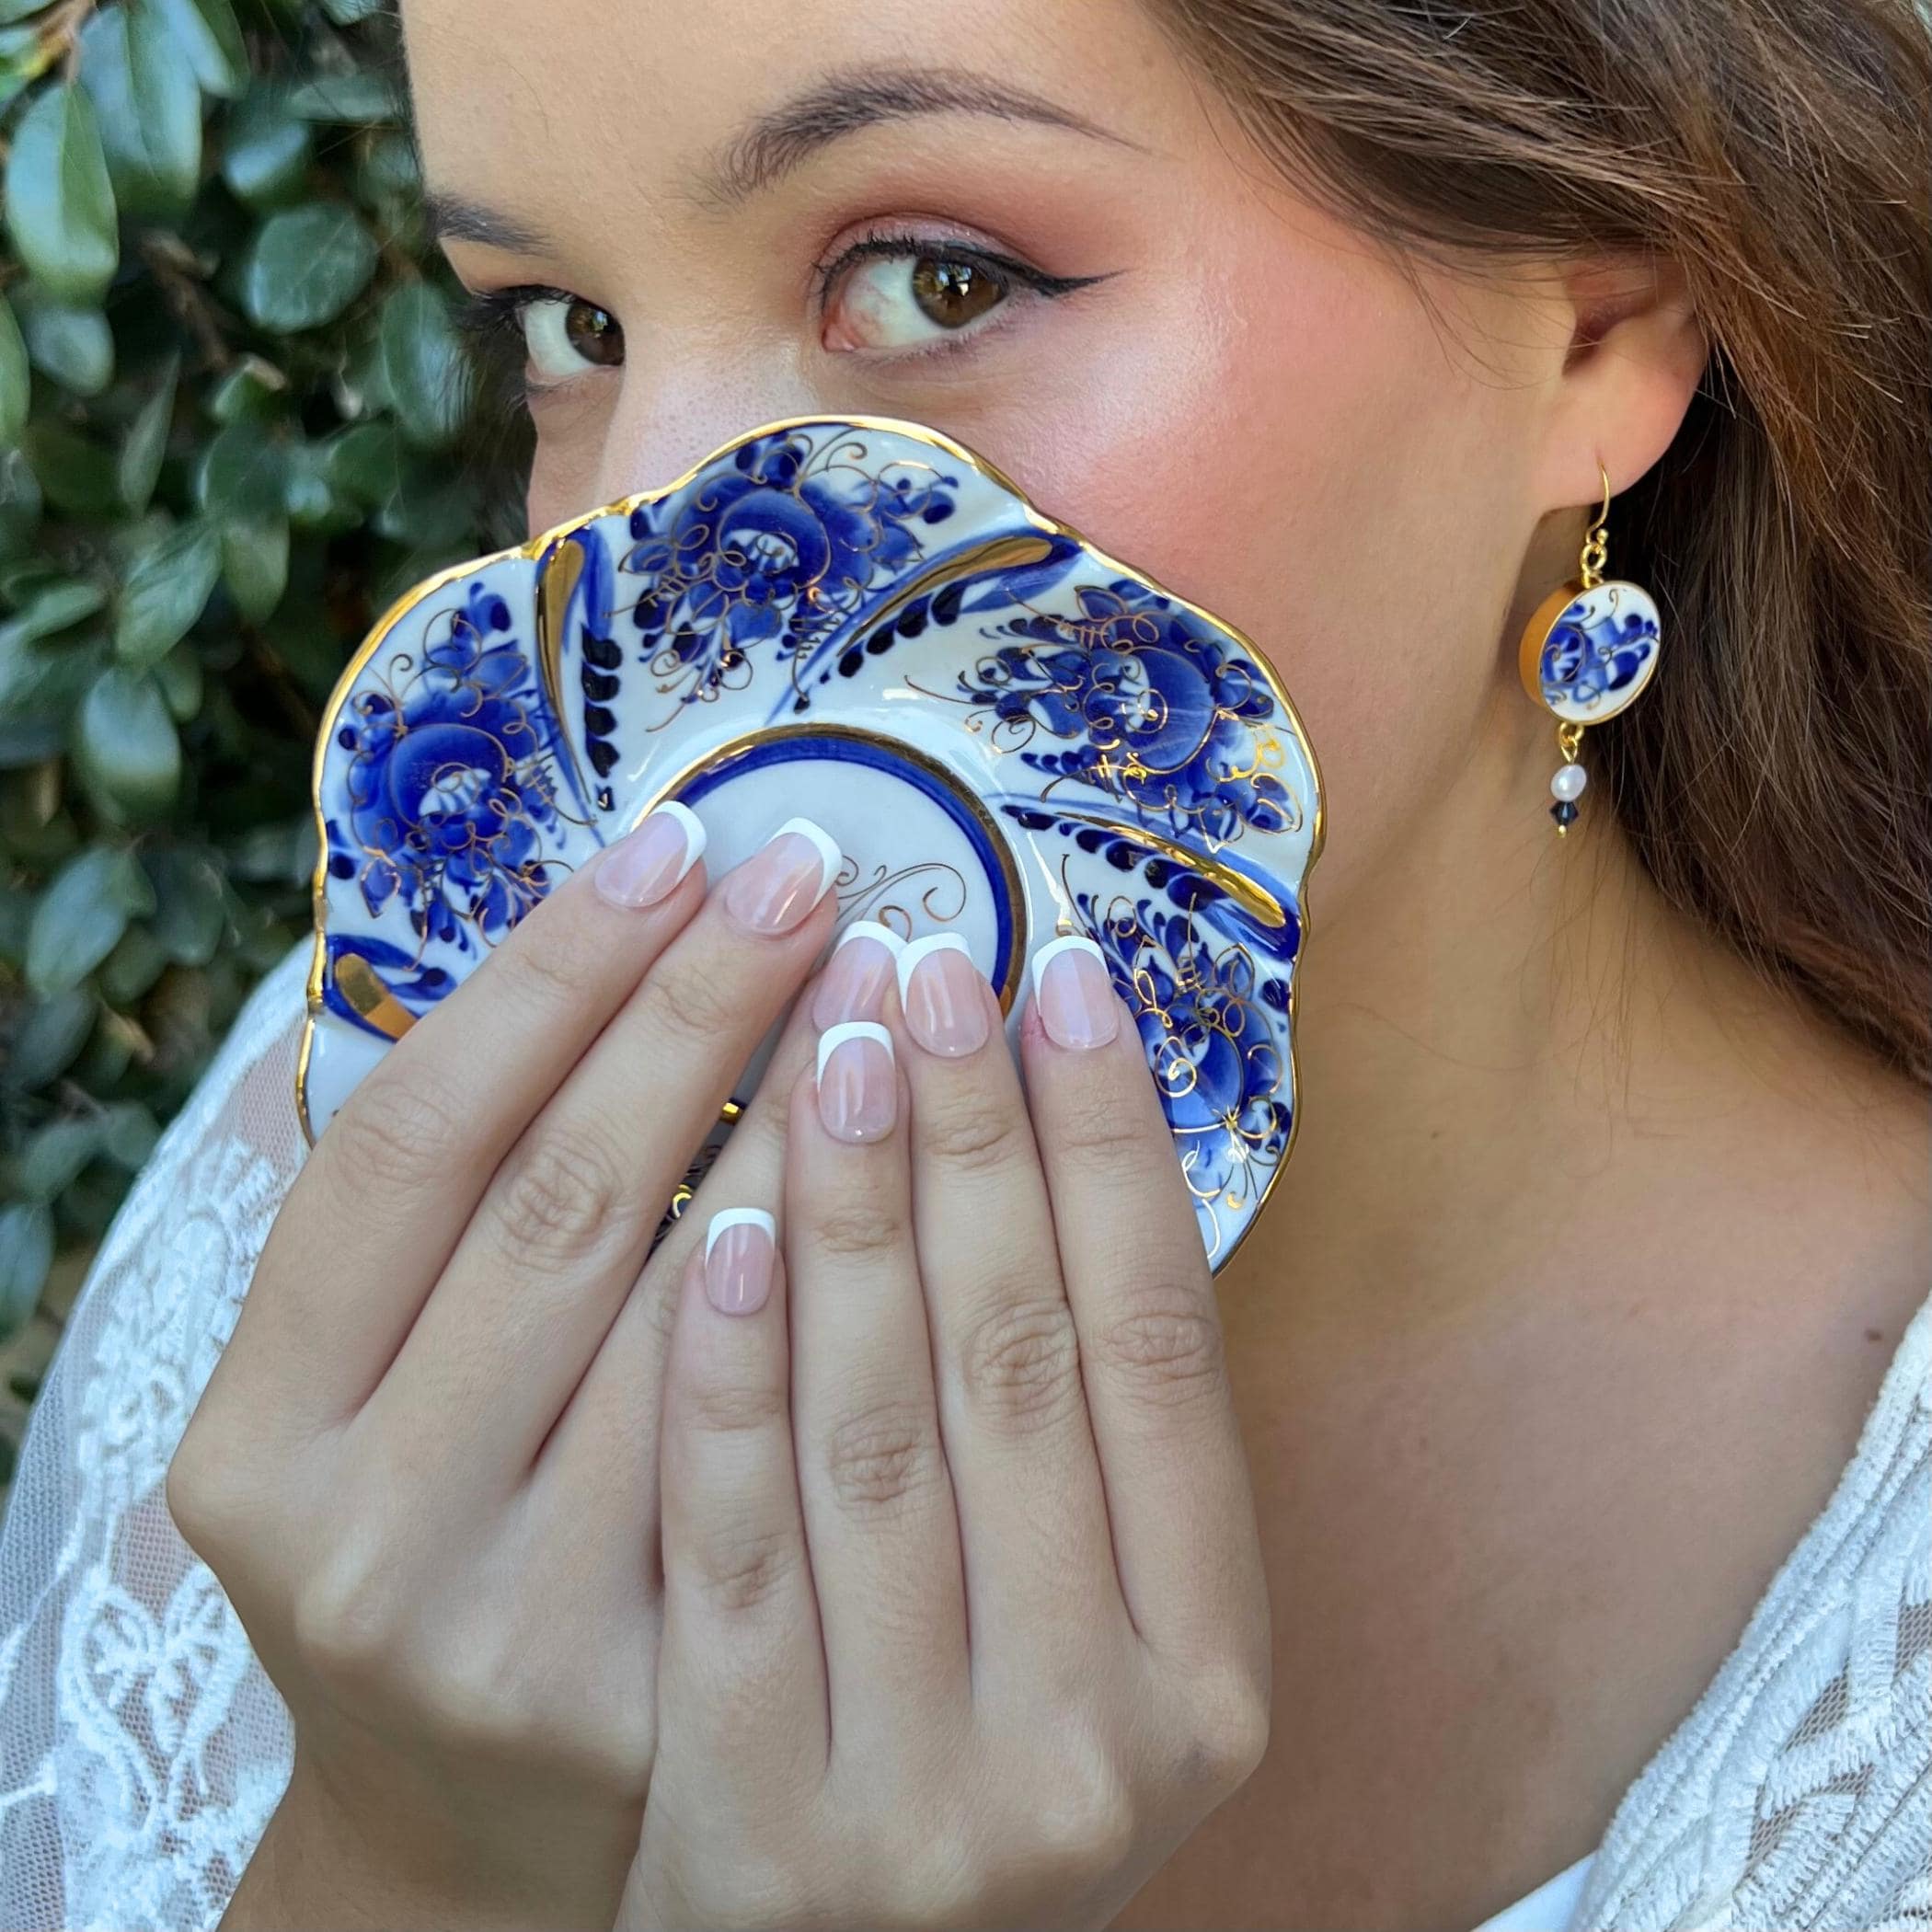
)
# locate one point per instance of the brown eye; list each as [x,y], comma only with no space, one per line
[953,292]
[593,333]
[565,336]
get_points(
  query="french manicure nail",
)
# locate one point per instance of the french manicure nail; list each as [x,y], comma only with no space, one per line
[652,857]
[859,1089]
[739,1245]
[852,984]
[1074,993]
[943,996]
[781,882]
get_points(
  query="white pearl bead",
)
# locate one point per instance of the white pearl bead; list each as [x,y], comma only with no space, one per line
[1570,781]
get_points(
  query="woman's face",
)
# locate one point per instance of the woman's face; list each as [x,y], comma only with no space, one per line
[1025,223]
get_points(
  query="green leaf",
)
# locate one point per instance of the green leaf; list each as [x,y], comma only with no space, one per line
[345,13]
[243,468]
[253,387]
[131,969]
[164,593]
[126,748]
[255,560]
[81,917]
[69,342]
[191,902]
[150,108]
[265,158]
[60,202]
[76,474]
[128,1133]
[346,97]
[16,385]
[26,1257]
[54,607]
[306,266]
[53,1157]
[140,456]
[45,1043]
[424,364]
[39,687]
[211,37]
[179,677]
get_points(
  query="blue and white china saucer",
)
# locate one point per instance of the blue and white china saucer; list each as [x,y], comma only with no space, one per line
[1008,732]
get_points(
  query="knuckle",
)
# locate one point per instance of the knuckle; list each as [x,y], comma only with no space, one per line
[556,963]
[970,1133]
[1020,1361]
[1165,1348]
[203,1492]
[563,1198]
[1093,1133]
[855,1231]
[1226,1736]
[343,1624]
[1082,1819]
[688,1005]
[728,1408]
[740,1567]
[883,1457]
[402,1134]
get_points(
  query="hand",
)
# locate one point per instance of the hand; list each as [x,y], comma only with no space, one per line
[425,1469]
[965,1622]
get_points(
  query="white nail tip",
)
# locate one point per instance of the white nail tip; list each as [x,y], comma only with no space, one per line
[1067,942]
[728,1218]
[870,929]
[692,825]
[830,858]
[922,948]
[833,1038]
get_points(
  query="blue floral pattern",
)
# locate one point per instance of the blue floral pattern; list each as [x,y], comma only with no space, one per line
[450,782]
[1209,992]
[1598,650]
[782,551]
[1137,700]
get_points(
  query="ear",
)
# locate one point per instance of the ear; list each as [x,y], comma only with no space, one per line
[1636,353]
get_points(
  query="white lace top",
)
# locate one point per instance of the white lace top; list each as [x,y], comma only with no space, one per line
[142,1748]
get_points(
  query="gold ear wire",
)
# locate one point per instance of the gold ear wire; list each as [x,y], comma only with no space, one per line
[1597,540]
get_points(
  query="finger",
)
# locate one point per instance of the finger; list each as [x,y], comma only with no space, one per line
[1162,1417]
[878,1508]
[605,1442]
[389,1187]
[740,1675]
[561,1232]
[1038,1563]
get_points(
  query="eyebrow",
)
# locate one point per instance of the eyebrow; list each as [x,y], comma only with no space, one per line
[780,139]
[453,218]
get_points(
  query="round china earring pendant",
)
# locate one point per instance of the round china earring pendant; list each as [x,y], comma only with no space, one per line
[1588,651]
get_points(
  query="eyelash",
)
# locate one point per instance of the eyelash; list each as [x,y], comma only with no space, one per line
[493,319]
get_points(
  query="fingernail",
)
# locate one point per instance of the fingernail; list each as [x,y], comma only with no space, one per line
[1074,993]
[775,889]
[943,996]
[651,859]
[740,1245]
[858,1090]
[852,984]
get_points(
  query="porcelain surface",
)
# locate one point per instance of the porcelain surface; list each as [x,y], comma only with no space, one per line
[1009,733]
[1600,653]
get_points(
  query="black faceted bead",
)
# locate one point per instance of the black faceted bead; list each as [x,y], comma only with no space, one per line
[1564,812]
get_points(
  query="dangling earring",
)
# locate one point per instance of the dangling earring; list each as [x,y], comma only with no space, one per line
[1591,647]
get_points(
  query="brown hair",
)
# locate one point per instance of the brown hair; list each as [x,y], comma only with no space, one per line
[1777,778]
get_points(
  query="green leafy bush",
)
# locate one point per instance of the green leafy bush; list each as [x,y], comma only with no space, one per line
[230,388]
